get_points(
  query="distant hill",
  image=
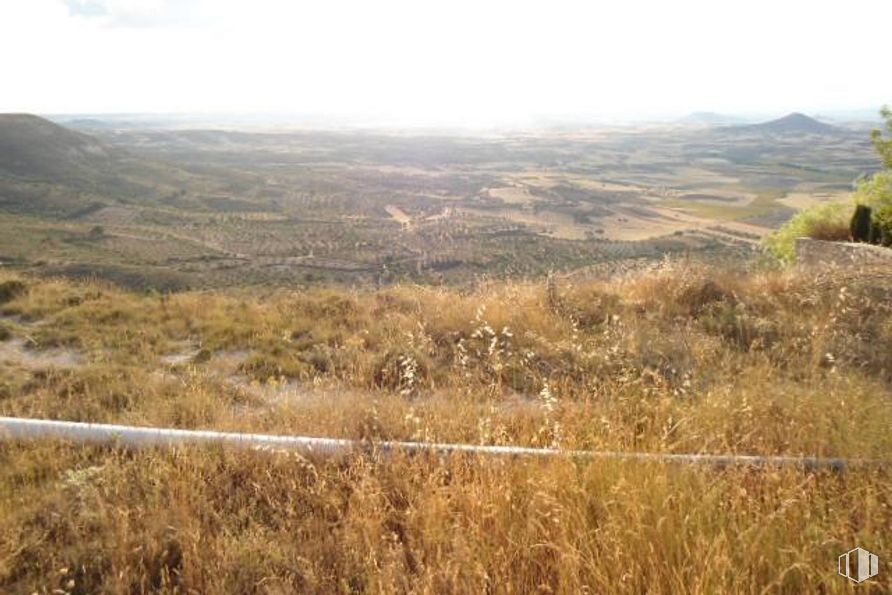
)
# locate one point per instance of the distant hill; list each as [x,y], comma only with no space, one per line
[795,123]
[709,119]
[49,170]
[89,124]
[34,148]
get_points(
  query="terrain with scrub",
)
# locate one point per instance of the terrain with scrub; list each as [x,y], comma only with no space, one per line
[675,358]
[601,289]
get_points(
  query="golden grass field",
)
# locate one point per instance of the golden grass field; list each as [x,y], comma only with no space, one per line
[681,359]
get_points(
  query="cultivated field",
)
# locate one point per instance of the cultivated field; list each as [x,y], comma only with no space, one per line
[210,208]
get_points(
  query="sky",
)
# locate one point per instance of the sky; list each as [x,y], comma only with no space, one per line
[457,61]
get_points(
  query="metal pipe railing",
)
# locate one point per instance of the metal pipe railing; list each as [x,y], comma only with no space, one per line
[142,437]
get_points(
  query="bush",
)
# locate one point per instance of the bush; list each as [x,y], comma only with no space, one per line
[883,145]
[203,356]
[824,222]
[406,370]
[9,290]
[740,328]
[882,222]
[875,191]
[275,363]
[319,357]
[696,295]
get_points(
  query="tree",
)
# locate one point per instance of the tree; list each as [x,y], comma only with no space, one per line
[876,191]
[882,143]
[860,226]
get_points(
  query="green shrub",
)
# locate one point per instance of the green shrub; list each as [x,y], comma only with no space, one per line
[823,222]
[883,144]
[875,191]
[882,223]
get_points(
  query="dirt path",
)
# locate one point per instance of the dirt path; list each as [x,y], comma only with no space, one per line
[17,352]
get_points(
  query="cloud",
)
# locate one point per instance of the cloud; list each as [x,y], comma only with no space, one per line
[87,8]
[136,13]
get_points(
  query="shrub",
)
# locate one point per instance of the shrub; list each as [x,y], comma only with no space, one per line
[740,328]
[319,357]
[830,221]
[696,295]
[875,194]
[9,290]
[591,306]
[275,363]
[883,145]
[882,223]
[202,356]
[406,370]
[875,191]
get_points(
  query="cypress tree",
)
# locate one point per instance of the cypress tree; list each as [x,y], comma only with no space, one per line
[860,227]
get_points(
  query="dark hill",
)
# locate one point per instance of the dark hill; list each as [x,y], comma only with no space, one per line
[36,149]
[794,123]
[48,169]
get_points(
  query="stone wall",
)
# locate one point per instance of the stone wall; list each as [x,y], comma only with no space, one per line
[813,253]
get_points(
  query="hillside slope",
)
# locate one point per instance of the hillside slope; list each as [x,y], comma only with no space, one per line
[49,170]
[34,148]
[678,360]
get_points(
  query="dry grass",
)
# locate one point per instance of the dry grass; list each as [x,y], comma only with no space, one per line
[831,231]
[684,359]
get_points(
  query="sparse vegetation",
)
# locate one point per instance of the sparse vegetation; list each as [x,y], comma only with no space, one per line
[875,193]
[682,359]
[883,144]
[441,298]
[874,196]
[824,222]
[287,335]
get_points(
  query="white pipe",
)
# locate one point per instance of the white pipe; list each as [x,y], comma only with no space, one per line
[139,437]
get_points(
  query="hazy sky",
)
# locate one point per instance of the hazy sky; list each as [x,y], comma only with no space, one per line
[472,61]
